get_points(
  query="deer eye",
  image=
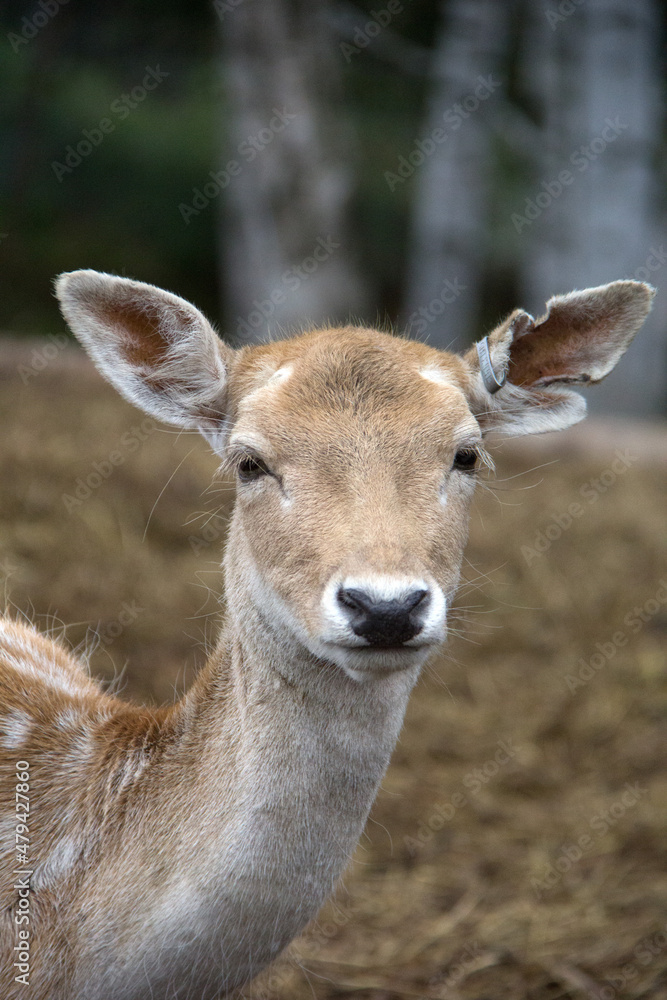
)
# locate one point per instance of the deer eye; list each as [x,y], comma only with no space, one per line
[250,467]
[466,460]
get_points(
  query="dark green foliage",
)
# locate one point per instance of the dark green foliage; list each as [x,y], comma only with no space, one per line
[118,209]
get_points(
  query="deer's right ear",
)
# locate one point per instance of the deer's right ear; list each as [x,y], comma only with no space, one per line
[523,371]
[157,349]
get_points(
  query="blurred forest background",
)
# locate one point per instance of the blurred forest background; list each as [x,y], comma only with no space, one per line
[422,163]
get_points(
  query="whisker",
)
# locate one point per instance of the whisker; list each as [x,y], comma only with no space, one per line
[143,537]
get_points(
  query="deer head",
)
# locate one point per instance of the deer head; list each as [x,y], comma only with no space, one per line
[356,452]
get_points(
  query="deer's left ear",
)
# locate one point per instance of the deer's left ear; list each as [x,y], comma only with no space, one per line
[520,374]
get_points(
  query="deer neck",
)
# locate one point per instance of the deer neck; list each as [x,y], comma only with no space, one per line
[289,754]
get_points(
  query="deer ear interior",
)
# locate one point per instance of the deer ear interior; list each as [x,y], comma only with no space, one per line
[157,349]
[582,336]
[580,339]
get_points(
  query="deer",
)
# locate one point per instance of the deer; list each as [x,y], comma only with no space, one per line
[175,851]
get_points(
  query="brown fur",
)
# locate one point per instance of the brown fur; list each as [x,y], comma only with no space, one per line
[175,852]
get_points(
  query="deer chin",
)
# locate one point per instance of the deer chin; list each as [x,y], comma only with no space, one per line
[363,663]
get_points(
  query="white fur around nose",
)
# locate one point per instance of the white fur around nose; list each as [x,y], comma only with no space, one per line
[381,587]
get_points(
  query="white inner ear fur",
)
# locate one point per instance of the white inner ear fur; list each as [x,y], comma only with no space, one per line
[186,385]
[515,410]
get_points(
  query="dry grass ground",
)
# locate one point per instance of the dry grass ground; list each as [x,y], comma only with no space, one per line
[517,848]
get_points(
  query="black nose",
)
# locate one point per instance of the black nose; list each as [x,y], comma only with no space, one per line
[384,623]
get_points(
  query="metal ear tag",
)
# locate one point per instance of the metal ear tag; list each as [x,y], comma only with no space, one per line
[486,368]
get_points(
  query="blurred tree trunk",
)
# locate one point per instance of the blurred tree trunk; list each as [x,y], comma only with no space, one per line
[286,250]
[449,241]
[594,74]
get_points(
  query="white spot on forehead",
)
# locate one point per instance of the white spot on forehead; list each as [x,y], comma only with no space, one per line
[434,374]
[281,373]
[16,728]
[269,385]
[468,428]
